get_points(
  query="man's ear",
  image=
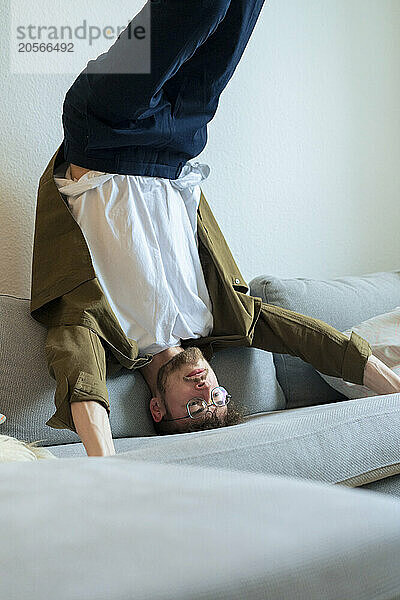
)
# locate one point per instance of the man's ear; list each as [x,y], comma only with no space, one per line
[157,408]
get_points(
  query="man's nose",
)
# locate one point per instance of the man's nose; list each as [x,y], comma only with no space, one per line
[201,384]
[206,389]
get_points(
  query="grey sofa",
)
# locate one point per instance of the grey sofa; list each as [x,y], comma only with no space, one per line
[262,509]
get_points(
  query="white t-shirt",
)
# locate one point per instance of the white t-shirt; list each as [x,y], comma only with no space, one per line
[141,232]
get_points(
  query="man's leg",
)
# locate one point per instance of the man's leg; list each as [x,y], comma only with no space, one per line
[204,77]
[195,48]
[118,90]
[199,41]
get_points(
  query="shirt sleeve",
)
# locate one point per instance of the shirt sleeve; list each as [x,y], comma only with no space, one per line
[76,359]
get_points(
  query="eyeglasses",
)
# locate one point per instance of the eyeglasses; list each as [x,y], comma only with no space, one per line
[196,407]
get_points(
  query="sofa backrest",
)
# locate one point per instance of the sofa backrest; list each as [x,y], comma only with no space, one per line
[27,389]
[342,302]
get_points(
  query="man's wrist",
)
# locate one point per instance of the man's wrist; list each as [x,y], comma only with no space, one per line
[93,427]
[99,445]
[380,378]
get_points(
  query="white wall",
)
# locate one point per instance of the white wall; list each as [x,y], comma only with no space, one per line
[304,148]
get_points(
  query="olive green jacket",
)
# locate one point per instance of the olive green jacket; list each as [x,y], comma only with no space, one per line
[84,333]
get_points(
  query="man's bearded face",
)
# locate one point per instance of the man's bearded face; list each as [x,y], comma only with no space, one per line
[178,385]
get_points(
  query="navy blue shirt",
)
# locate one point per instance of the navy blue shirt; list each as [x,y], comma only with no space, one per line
[152,123]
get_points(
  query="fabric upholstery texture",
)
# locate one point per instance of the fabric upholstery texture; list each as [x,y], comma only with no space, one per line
[115,528]
[349,443]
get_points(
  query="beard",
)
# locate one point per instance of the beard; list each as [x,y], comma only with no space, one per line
[189,356]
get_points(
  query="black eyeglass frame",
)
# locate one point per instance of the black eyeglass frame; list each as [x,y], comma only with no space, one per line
[205,405]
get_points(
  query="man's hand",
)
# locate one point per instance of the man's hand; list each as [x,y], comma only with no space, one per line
[379,378]
[93,427]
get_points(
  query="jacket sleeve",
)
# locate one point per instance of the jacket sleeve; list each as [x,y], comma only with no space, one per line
[118,87]
[328,350]
[76,360]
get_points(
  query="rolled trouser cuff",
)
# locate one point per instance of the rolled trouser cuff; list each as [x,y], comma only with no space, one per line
[355,359]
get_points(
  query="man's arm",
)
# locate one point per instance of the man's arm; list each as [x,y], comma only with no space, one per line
[379,378]
[76,360]
[328,350]
[93,427]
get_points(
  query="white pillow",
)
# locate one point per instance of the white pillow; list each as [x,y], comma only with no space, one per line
[383,334]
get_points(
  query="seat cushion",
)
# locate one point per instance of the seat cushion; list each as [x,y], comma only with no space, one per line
[350,443]
[389,485]
[341,302]
[27,389]
[120,528]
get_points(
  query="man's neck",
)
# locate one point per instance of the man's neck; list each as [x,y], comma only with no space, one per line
[150,371]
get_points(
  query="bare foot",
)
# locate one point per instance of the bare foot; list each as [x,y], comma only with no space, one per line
[78,172]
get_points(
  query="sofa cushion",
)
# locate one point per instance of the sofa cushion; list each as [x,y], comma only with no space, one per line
[352,443]
[340,302]
[383,334]
[388,485]
[117,528]
[27,389]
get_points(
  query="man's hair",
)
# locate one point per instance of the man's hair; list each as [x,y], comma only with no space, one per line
[234,416]
[161,383]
